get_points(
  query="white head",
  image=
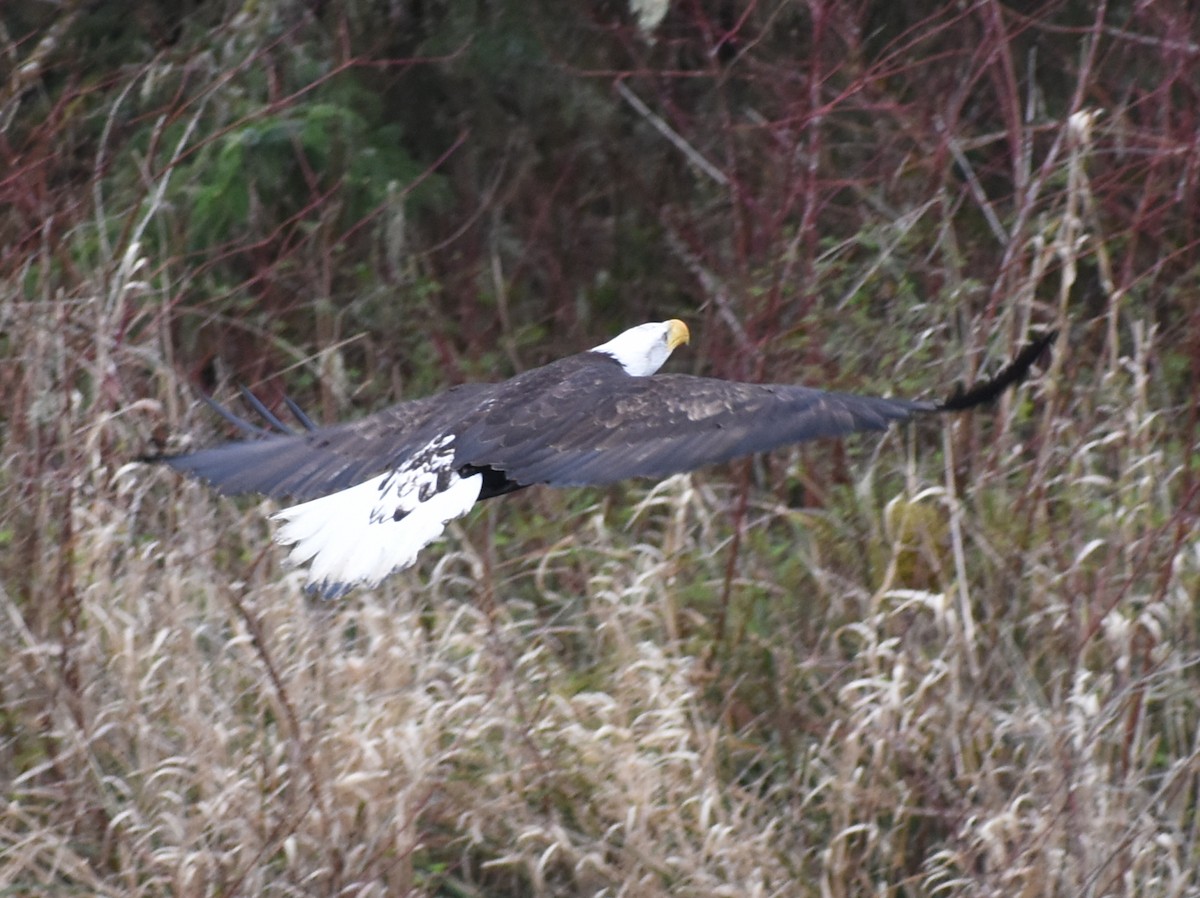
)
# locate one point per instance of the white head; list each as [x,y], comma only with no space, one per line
[642,350]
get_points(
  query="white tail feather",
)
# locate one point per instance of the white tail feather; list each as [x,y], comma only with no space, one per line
[352,536]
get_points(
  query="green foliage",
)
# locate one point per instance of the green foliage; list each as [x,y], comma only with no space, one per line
[265,174]
[958,659]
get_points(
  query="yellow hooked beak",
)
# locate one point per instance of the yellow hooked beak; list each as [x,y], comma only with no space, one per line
[677,333]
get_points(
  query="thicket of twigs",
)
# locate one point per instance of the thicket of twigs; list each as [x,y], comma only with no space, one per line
[958,659]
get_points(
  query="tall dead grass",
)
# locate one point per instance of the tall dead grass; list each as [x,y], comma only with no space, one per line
[969,668]
[180,719]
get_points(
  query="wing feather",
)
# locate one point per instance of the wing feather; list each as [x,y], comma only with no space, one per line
[604,427]
[578,421]
[321,461]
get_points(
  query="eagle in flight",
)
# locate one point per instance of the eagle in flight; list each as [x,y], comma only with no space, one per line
[372,493]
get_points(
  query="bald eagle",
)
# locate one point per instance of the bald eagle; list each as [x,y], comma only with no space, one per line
[374,492]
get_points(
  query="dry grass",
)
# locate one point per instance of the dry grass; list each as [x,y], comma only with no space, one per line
[560,719]
[965,664]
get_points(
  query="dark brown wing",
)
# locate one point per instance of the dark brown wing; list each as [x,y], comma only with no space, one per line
[583,421]
[601,425]
[1009,376]
[574,422]
[322,461]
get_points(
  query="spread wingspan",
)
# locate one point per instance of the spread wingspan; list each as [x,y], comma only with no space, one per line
[375,491]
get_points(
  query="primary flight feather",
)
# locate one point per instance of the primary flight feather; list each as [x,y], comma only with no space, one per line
[374,492]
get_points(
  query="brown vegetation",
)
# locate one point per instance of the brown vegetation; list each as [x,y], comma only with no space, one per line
[961,659]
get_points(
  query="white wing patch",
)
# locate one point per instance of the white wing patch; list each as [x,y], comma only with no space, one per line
[361,534]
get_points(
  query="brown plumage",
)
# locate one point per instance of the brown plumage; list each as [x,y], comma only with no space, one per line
[591,418]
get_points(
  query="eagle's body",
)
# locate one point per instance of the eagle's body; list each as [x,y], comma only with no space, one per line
[377,490]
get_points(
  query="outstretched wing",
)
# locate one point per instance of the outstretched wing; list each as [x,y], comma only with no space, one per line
[596,425]
[374,491]
[656,426]
[381,488]
[327,459]
[575,422]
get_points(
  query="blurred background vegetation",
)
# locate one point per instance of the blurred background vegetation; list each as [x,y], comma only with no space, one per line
[958,660]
